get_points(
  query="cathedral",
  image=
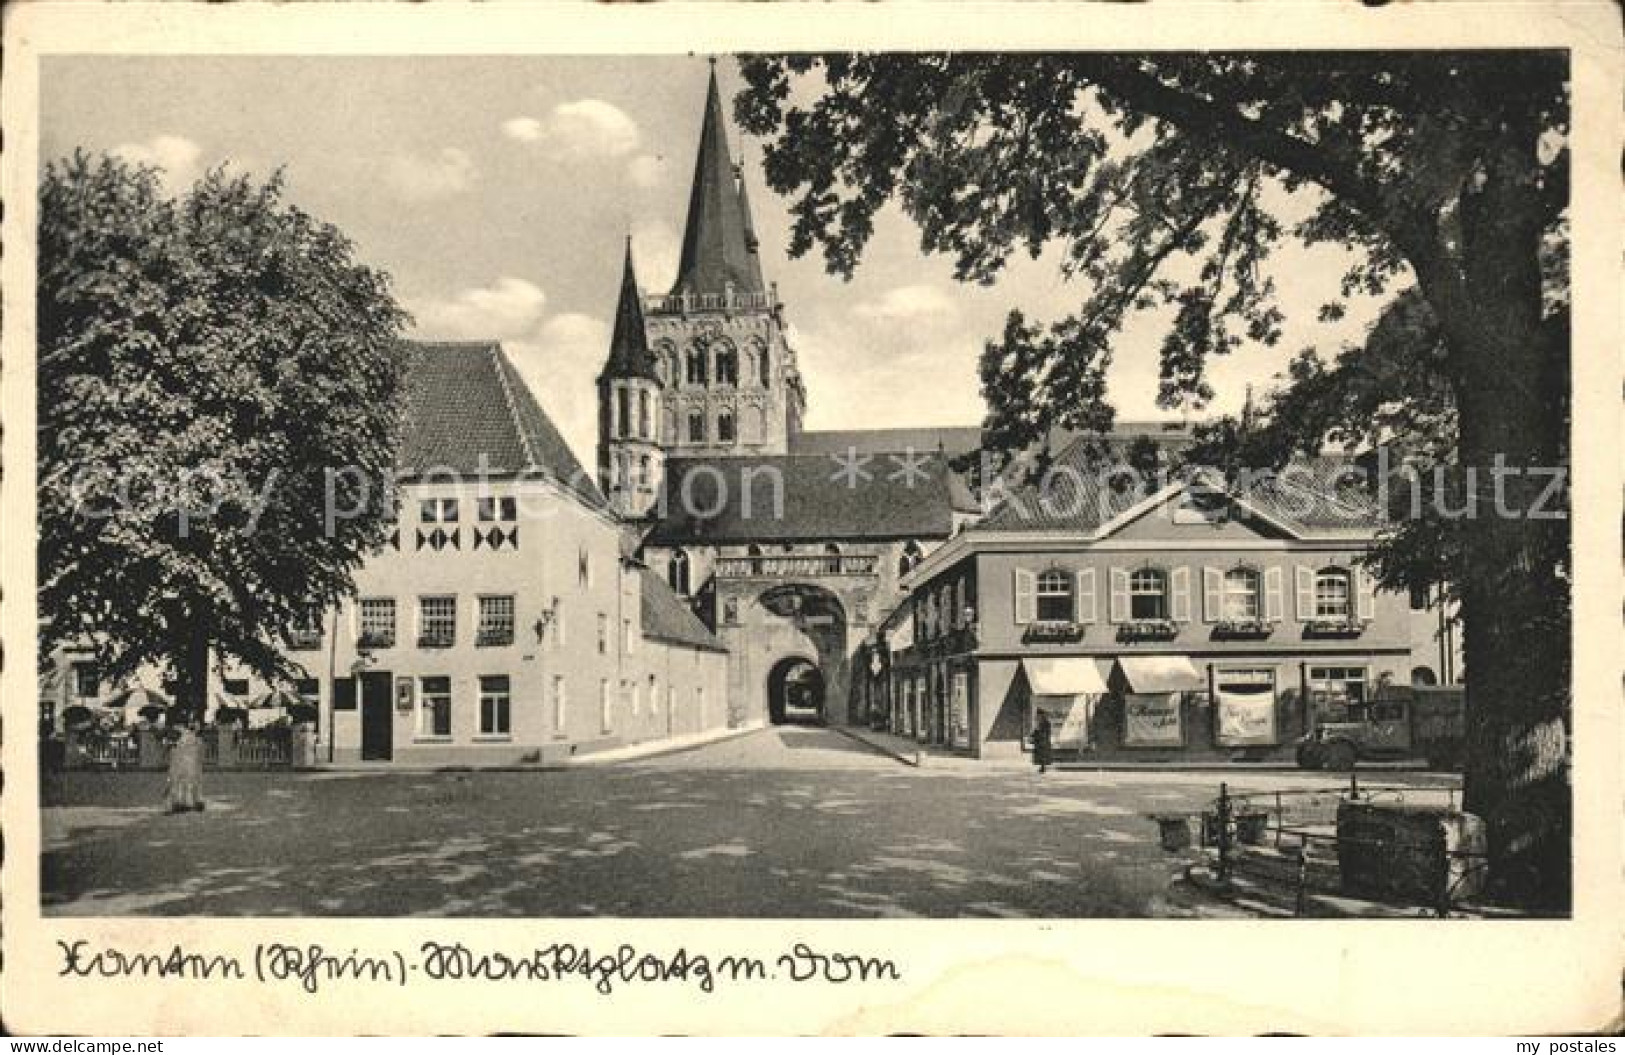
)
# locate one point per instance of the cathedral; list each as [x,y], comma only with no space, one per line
[855,578]
[788,543]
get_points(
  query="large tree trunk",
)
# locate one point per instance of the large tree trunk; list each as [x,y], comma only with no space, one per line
[184,790]
[1510,378]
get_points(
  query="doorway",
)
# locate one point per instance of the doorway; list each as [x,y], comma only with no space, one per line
[377,717]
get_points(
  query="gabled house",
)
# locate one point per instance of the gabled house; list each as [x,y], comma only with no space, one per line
[1186,620]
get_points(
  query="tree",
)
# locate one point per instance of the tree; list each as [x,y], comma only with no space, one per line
[202,362]
[1165,180]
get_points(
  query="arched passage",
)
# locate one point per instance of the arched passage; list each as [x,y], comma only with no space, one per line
[795,691]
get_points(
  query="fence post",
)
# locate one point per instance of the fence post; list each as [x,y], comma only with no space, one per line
[1303,876]
[1223,821]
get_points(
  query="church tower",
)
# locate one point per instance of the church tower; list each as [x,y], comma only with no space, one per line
[631,463]
[731,386]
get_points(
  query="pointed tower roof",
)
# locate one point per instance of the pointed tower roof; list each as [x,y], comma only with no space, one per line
[718,241]
[629,354]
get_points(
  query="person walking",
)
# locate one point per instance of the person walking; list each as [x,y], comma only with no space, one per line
[1042,742]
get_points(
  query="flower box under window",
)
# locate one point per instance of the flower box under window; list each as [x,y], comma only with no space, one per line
[1243,628]
[436,640]
[1335,627]
[1053,630]
[494,638]
[305,640]
[1148,630]
[376,640]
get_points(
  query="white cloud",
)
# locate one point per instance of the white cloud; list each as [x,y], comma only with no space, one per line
[575,330]
[524,129]
[909,302]
[416,178]
[559,365]
[176,157]
[509,308]
[646,171]
[583,128]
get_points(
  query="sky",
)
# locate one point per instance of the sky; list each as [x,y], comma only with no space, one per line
[496,191]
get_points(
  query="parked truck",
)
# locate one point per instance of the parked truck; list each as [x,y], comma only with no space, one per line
[1398,722]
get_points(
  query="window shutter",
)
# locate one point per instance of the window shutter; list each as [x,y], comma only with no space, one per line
[1026,596]
[1212,594]
[1306,593]
[1179,591]
[1119,601]
[1274,601]
[1365,598]
[1086,596]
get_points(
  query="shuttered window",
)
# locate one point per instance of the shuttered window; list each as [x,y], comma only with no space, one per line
[1055,597]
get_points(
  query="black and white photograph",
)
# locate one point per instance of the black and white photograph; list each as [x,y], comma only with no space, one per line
[730,482]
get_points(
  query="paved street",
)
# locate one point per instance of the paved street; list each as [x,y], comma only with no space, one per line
[786,821]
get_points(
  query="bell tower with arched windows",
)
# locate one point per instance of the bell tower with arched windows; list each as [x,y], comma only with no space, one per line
[631,461]
[730,380]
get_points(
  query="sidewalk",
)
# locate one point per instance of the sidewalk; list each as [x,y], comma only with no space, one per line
[653,748]
[628,753]
[910,752]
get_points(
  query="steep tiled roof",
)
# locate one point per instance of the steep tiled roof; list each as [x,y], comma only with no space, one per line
[823,498]
[465,400]
[959,439]
[718,243]
[629,354]
[667,618]
[950,439]
[1310,497]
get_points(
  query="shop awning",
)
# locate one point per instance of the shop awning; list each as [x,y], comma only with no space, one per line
[1160,674]
[1068,676]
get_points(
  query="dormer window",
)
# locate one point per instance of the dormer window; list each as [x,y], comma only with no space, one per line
[678,573]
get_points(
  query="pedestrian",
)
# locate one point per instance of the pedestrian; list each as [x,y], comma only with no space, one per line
[1041,742]
[184,791]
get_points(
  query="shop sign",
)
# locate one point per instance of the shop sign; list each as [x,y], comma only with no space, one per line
[1152,719]
[1069,720]
[1245,706]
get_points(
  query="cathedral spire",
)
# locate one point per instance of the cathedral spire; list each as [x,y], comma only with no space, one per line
[629,354]
[718,243]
